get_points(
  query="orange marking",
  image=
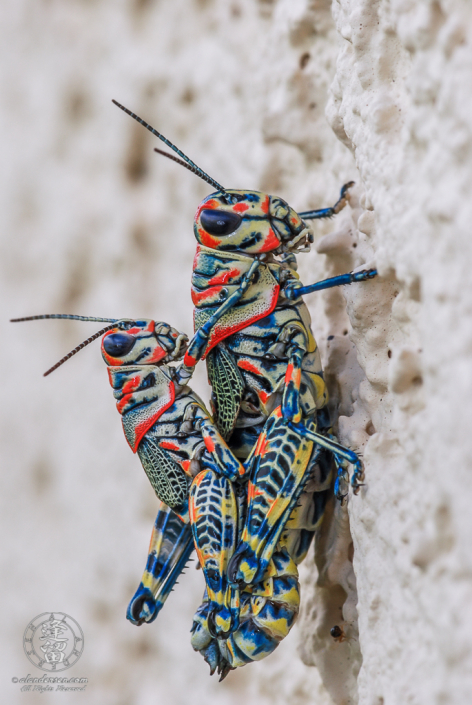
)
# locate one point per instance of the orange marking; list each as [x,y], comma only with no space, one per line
[288,373]
[222,331]
[120,405]
[253,492]
[210,446]
[249,366]
[240,207]
[142,428]
[211,204]
[260,442]
[263,396]
[169,445]
[271,242]
[265,205]
[199,296]
[131,385]
[195,259]
[263,445]
[158,354]
[189,360]
[152,540]
[208,240]
[186,466]
[225,277]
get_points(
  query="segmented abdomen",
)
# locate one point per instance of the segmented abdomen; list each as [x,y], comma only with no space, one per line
[268,613]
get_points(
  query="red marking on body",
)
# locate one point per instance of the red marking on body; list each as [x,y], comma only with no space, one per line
[189,360]
[142,428]
[261,444]
[225,276]
[199,296]
[113,361]
[157,355]
[294,221]
[208,240]
[240,207]
[149,329]
[211,205]
[152,540]
[222,332]
[278,412]
[249,366]
[210,446]
[265,205]
[271,242]
[186,466]
[120,405]
[198,480]
[131,385]
[195,259]
[288,373]
[253,492]
[263,396]
[169,445]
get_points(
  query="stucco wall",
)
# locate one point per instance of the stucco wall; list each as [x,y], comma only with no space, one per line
[295,97]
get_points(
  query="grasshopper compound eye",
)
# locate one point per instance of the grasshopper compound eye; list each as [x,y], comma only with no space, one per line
[220,223]
[118,344]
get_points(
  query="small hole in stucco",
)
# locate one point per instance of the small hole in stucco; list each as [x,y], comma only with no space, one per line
[304,59]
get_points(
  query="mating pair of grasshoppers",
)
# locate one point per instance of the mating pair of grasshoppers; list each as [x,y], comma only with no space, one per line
[246,486]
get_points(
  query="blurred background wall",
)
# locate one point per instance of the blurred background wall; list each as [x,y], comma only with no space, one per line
[295,97]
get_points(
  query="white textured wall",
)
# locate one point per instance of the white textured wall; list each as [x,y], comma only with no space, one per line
[294,97]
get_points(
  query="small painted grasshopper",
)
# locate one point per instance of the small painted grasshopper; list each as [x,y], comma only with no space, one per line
[190,467]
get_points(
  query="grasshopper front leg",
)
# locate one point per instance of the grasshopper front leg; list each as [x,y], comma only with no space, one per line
[198,344]
[329,212]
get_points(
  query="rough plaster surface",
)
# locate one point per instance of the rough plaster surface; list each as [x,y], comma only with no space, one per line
[295,97]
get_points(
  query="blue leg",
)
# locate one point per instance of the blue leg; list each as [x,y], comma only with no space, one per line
[170,549]
[198,344]
[341,455]
[293,290]
[328,212]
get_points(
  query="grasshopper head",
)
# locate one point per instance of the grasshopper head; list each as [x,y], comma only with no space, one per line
[142,342]
[249,221]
